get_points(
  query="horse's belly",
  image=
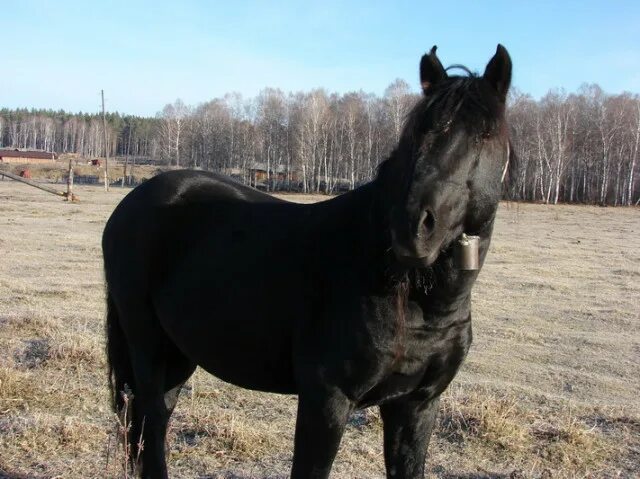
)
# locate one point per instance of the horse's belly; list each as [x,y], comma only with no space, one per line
[232,318]
[236,353]
[242,342]
[255,377]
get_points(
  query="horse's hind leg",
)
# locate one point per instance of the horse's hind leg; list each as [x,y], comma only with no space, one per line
[159,371]
[157,388]
[179,369]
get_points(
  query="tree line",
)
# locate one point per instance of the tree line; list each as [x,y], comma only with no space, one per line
[80,133]
[580,147]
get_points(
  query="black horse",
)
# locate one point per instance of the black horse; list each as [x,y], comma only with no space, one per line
[348,303]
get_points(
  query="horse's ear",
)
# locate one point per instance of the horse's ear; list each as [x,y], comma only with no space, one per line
[431,70]
[498,72]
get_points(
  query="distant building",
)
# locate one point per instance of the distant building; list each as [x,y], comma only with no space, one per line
[26,156]
[258,171]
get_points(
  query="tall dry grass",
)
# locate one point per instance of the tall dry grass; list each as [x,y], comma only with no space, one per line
[549,388]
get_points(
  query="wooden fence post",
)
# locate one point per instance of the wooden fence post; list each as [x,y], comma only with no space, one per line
[37,185]
[70,196]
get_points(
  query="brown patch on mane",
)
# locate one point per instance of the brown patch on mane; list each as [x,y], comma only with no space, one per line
[401,297]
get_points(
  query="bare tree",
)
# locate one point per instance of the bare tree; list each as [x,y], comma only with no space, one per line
[581,147]
[173,118]
[398,100]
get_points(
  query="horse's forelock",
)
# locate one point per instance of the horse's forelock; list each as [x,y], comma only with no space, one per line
[458,95]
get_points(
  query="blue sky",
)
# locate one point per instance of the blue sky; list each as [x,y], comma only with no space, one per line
[59,54]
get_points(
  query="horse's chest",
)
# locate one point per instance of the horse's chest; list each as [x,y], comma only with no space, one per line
[424,363]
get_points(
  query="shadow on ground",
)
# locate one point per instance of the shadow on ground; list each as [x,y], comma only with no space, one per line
[239,476]
[446,475]
[517,474]
[476,475]
[14,475]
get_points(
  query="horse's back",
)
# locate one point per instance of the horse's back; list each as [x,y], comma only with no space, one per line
[158,208]
[188,186]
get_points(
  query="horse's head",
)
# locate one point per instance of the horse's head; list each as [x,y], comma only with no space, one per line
[444,178]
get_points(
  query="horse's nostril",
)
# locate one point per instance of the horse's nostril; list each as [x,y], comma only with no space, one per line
[428,223]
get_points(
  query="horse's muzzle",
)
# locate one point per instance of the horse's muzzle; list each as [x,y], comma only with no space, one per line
[410,253]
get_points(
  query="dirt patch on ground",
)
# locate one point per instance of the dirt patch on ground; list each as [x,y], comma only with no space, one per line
[549,388]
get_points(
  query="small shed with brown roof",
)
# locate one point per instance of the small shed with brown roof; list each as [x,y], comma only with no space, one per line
[18,156]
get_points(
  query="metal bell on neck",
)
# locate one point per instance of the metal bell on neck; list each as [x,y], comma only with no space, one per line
[467,255]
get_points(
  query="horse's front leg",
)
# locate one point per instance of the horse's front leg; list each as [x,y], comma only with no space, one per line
[407,423]
[322,417]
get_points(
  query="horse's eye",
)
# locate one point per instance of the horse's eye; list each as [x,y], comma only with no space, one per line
[447,126]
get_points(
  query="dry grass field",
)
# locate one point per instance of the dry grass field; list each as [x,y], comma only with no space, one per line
[550,387]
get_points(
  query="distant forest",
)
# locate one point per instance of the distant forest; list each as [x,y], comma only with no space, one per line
[578,148]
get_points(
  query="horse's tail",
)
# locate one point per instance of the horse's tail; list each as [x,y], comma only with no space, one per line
[118,359]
